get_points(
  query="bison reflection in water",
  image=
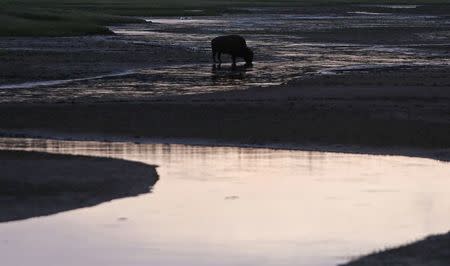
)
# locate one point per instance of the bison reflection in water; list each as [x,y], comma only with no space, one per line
[233,45]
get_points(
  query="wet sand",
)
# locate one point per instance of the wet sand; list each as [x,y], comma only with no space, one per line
[36,184]
[433,250]
[41,59]
[354,109]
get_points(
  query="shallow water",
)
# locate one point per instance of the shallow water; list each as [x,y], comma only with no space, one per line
[238,206]
[284,49]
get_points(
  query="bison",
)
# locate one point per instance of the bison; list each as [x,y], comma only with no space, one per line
[233,45]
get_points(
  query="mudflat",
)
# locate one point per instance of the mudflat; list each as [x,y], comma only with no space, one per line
[37,184]
[433,250]
[37,59]
[351,109]
[388,88]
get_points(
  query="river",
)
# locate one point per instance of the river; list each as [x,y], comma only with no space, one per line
[237,206]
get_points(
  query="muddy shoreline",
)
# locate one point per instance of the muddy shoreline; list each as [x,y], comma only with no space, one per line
[433,250]
[360,109]
[25,59]
[37,184]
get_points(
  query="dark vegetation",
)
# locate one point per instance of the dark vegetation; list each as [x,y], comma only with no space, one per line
[85,17]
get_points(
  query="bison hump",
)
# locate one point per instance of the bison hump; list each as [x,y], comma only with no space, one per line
[229,40]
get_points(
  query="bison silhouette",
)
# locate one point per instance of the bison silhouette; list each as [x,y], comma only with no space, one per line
[233,45]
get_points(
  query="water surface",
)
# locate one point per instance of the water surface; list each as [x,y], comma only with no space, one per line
[238,206]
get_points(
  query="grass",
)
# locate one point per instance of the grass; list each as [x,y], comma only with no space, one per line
[17,26]
[56,21]
[84,17]
[71,18]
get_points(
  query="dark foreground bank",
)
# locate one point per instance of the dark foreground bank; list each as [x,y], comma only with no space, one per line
[359,110]
[305,124]
[36,184]
[432,251]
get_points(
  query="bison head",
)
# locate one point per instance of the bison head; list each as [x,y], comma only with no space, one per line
[248,57]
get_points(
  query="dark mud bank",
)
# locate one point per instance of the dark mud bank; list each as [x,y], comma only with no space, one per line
[433,250]
[36,184]
[307,123]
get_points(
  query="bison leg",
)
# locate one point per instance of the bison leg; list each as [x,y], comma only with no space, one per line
[218,57]
[234,61]
[214,55]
